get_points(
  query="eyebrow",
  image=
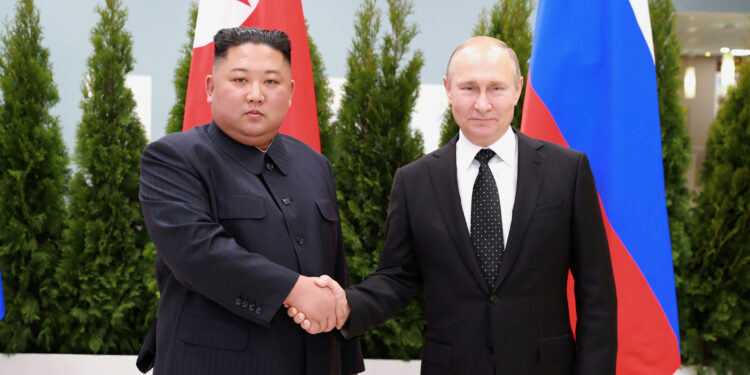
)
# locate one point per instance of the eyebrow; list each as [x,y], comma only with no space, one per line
[474,82]
[243,70]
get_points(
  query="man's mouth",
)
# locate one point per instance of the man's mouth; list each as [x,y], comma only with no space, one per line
[254,113]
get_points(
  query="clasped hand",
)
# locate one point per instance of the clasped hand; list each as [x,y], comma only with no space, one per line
[317,304]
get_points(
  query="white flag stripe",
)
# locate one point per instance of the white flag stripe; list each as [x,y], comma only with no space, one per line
[640,8]
[214,15]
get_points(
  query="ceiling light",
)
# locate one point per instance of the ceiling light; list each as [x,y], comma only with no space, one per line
[724,50]
[708,54]
[740,52]
[727,73]
[689,84]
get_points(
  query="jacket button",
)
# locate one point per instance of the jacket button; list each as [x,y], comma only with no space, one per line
[493,299]
[300,240]
[251,307]
[244,304]
[238,302]
[286,201]
[259,310]
[269,165]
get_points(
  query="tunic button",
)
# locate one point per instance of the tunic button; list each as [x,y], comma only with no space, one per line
[251,307]
[286,201]
[300,240]
[493,299]
[269,165]
[259,310]
[490,349]
[238,302]
[244,304]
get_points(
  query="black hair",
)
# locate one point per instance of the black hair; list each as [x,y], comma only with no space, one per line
[235,36]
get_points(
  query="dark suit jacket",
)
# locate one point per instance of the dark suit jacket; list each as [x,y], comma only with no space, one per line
[233,230]
[522,325]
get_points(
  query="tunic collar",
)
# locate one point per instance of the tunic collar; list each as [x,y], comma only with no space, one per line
[253,159]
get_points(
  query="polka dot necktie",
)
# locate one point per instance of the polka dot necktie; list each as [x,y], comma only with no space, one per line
[486,222]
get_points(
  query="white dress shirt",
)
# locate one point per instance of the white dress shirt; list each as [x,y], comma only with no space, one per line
[504,167]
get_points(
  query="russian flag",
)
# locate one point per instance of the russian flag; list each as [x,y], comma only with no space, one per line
[2,300]
[592,86]
[301,120]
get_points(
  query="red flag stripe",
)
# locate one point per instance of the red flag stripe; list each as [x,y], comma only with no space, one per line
[636,303]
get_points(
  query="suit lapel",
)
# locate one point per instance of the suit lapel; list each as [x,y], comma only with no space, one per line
[531,164]
[442,171]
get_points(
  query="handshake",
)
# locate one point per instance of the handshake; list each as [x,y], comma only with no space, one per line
[317,304]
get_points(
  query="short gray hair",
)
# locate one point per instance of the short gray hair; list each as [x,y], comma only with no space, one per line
[495,41]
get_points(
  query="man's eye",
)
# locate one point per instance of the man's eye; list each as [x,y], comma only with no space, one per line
[271,81]
[240,80]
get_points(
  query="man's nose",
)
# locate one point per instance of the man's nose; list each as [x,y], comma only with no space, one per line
[482,104]
[255,93]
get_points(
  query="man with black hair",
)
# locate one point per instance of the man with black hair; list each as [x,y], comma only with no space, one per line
[240,214]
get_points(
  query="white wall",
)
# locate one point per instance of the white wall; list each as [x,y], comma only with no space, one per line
[141,87]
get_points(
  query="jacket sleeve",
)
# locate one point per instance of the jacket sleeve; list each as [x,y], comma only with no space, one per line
[201,255]
[591,266]
[397,279]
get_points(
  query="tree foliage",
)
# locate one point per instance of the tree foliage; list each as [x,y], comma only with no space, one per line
[507,21]
[675,140]
[33,173]
[716,284]
[106,271]
[323,98]
[181,75]
[373,140]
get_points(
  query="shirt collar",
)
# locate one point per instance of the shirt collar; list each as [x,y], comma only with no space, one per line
[251,157]
[504,148]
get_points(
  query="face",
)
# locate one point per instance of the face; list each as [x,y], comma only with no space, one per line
[250,92]
[483,91]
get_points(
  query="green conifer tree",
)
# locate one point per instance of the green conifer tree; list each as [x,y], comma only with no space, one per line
[181,75]
[106,270]
[717,276]
[507,21]
[675,139]
[33,173]
[373,140]
[449,127]
[323,98]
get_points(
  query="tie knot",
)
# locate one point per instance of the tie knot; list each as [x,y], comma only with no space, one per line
[484,155]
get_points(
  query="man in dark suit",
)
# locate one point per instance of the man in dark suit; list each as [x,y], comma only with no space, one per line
[490,225]
[239,214]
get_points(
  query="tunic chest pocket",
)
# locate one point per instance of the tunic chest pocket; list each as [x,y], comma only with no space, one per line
[326,209]
[241,207]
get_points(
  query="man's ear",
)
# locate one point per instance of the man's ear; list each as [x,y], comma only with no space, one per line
[209,88]
[519,88]
[291,91]
[447,88]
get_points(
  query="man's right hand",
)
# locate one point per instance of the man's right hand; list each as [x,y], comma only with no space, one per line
[342,309]
[318,303]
